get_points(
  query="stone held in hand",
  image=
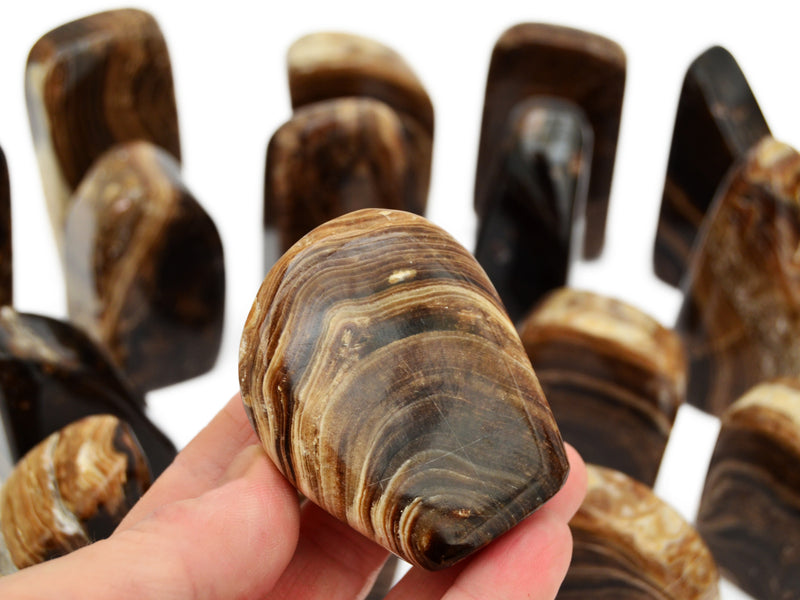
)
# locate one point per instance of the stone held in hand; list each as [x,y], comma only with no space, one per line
[387,383]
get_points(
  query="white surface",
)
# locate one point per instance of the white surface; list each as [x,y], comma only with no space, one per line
[228,61]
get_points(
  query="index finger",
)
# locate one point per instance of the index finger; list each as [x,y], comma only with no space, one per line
[200,466]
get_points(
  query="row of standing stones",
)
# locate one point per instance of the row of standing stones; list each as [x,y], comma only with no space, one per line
[145,285]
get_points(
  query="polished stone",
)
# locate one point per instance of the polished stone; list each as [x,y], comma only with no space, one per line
[328,65]
[6,266]
[629,544]
[750,509]
[51,374]
[614,378]
[333,157]
[90,84]
[144,267]
[717,122]
[740,319]
[537,193]
[534,59]
[387,383]
[71,489]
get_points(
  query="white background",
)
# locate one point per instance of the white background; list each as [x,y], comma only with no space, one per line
[229,67]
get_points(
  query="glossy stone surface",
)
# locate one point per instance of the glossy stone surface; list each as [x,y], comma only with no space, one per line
[334,157]
[750,509]
[328,65]
[51,374]
[387,383]
[741,316]
[631,545]
[71,489]
[144,267]
[534,59]
[537,191]
[90,84]
[6,266]
[614,378]
[717,122]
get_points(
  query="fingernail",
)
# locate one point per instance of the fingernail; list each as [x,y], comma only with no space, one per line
[242,462]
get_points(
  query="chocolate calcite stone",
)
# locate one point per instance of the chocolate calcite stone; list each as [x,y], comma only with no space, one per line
[334,157]
[534,59]
[144,267]
[750,509]
[387,383]
[71,489]
[628,544]
[6,266]
[90,84]
[51,374]
[741,315]
[613,376]
[328,65]
[718,121]
[537,189]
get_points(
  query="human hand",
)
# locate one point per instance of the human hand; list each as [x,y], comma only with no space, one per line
[222,522]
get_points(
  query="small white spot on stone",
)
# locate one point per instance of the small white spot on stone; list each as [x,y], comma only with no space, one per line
[401,275]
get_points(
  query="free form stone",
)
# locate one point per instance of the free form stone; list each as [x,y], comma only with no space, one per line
[73,488]
[90,84]
[717,123]
[535,59]
[537,194]
[749,513]
[740,319]
[386,382]
[144,267]
[628,543]
[614,377]
[52,374]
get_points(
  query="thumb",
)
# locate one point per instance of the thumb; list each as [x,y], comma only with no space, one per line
[231,542]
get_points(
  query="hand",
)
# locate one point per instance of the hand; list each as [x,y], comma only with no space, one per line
[222,522]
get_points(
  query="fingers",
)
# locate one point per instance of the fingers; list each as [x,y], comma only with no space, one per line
[331,561]
[529,561]
[230,542]
[199,467]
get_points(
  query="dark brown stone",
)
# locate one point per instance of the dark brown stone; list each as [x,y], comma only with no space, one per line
[145,270]
[328,65]
[6,266]
[537,186]
[750,509]
[740,319]
[387,383]
[334,157]
[628,544]
[613,376]
[717,122]
[93,83]
[71,489]
[51,374]
[533,59]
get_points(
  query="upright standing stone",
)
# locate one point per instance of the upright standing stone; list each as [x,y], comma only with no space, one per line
[718,121]
[750,509]
[613,376]
[93,83]
[533,59]
[145,270]
[537,192]
[740,319]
